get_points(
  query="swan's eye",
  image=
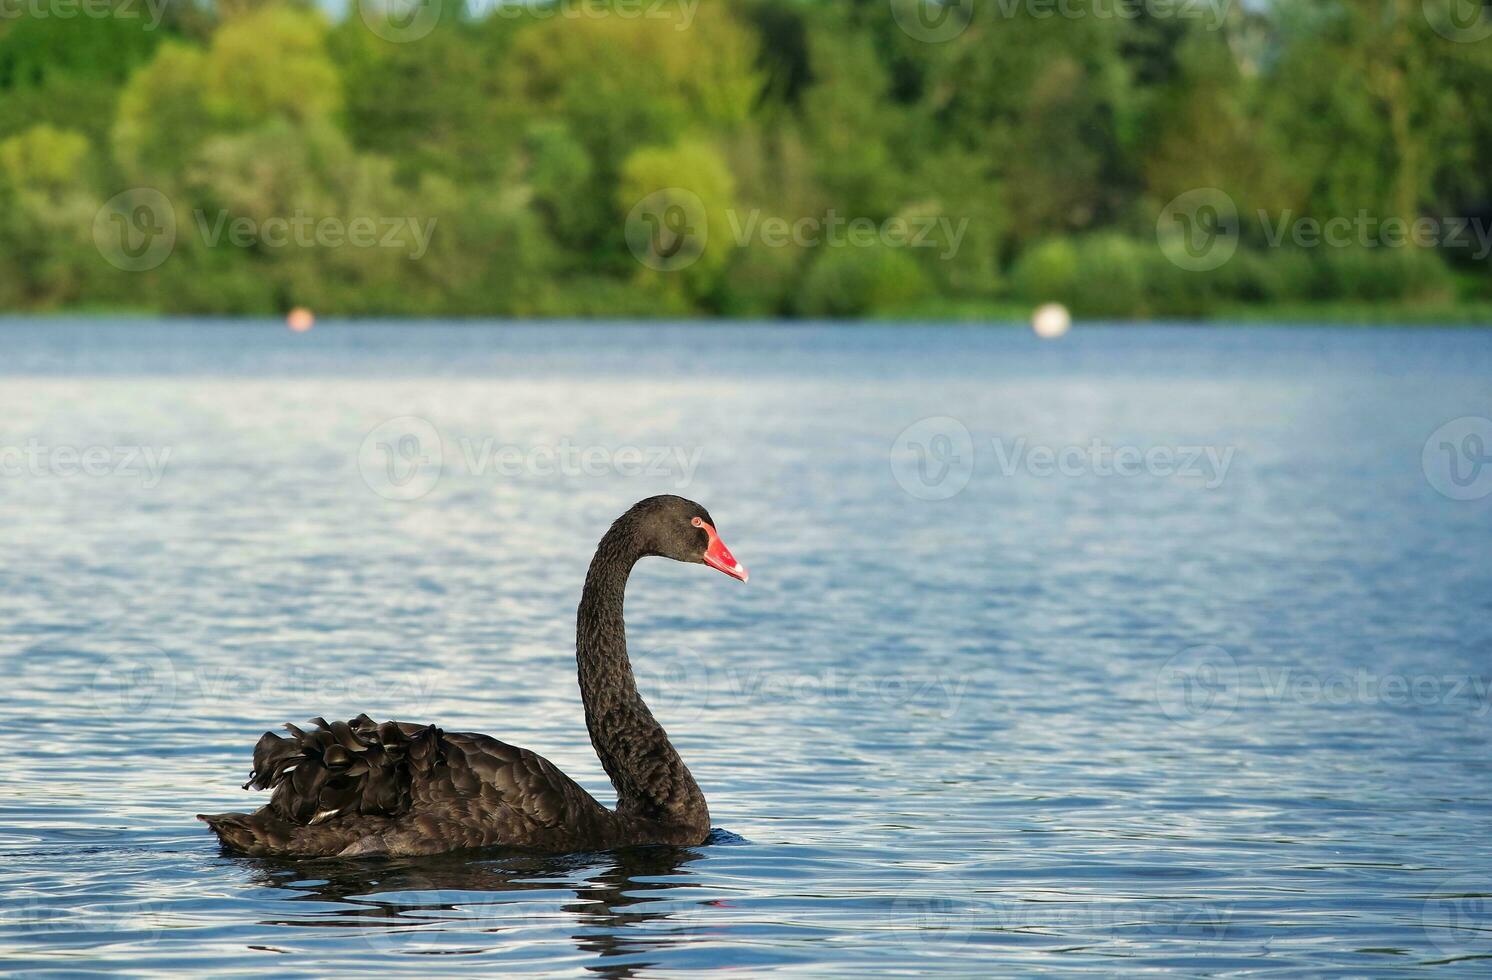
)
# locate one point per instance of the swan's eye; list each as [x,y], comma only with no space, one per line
[698,522]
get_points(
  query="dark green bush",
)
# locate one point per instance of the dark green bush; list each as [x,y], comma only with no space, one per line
[1098,275]
[855,281]
[1407,273]
[1108,275]
[760,279]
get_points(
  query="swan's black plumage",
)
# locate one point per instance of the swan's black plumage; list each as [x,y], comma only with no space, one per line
[344,767]
[360,787]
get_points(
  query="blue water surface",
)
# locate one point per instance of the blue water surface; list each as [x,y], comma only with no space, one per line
[1149,649]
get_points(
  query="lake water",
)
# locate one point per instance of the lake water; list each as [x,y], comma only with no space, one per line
[1153,648]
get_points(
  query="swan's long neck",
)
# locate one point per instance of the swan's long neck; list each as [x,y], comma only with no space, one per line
[652,782]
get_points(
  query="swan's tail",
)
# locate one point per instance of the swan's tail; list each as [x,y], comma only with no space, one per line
[359,771]
[264,834]
[249,833]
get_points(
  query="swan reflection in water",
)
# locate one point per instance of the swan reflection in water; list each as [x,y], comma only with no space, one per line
[613,903]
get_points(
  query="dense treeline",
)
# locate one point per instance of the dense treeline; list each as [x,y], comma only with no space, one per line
[847,157]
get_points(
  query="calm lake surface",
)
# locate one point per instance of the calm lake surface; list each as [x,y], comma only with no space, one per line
[1149,649]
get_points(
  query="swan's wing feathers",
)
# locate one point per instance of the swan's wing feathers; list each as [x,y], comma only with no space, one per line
[272,756]
[555,795]
[525,784]
[344,767]
[459,788]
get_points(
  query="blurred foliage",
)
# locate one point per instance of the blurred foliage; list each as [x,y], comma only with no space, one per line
[848,281]
[497,153]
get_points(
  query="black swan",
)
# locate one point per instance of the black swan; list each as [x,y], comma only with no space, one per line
[362,788]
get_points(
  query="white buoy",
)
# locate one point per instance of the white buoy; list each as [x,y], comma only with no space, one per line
[1051,320]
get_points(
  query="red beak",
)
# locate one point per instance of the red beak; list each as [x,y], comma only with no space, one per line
[717,555]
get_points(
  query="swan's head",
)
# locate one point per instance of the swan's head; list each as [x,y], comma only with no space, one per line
[676,528]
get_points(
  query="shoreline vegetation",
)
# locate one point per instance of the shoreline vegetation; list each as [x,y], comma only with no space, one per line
[1295,160]
[1471,316]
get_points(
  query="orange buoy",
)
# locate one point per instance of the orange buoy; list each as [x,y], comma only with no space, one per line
[300,319]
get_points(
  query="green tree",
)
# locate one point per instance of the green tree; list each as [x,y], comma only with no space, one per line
[572,70]
[69,74]
[676,177]
[862,280]
[268,64]
[434,106]
[47,205]
[1050,100]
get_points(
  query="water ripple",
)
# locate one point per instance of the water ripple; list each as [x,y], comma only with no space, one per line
[1061,723]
